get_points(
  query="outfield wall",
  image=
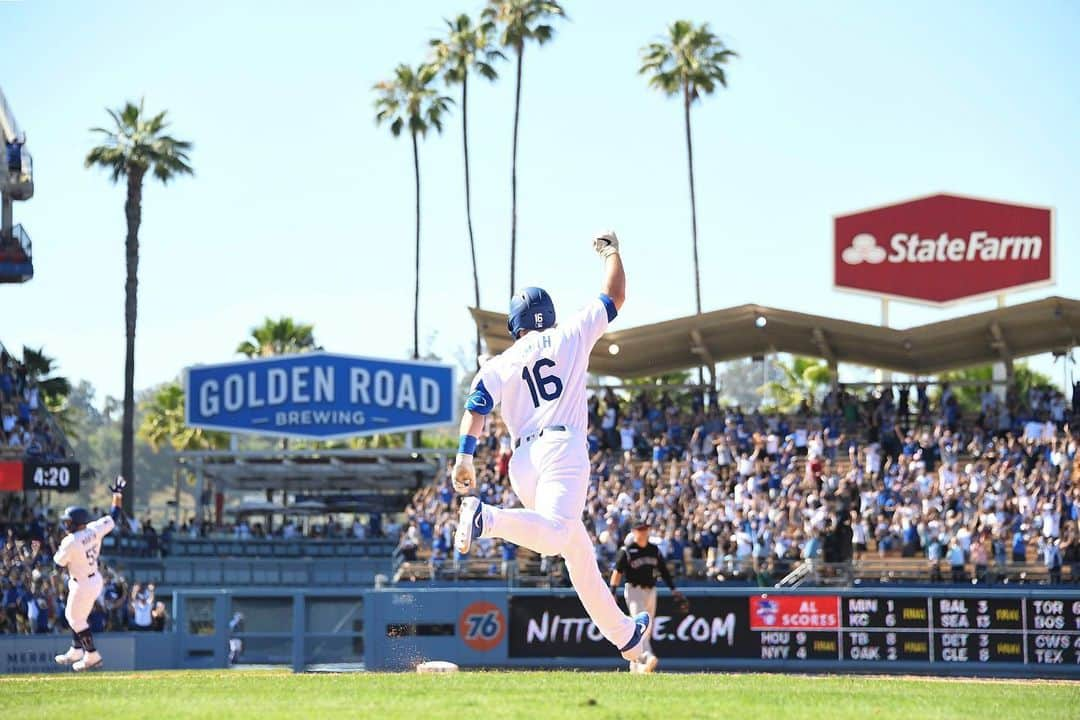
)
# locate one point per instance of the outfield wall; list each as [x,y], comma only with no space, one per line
[122,651]
[1003,632]
[1021,632]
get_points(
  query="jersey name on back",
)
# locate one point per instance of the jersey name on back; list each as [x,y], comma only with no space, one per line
[540,380]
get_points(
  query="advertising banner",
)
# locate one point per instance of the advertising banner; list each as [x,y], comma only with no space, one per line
[319,395]
[944,248]
[557,626]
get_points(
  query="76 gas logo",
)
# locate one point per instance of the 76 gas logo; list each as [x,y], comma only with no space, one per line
[482,626]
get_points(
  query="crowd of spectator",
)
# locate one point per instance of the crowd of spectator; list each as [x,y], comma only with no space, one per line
[750,495]
[33,589]
[27,428]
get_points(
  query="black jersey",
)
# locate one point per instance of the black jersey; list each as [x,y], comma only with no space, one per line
[639,565]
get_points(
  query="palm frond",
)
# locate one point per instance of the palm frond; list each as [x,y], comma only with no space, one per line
[689,58]
[139,144]
[409,100]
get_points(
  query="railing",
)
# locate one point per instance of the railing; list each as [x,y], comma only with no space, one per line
[16,171]
[17,239]
[26,174]
[187,572]
[219,548]
[878,570]
[551,572]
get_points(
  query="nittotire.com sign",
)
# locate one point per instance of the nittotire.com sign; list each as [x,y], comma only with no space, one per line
[944,248]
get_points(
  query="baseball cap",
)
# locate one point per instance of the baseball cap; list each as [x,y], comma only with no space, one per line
[642,522]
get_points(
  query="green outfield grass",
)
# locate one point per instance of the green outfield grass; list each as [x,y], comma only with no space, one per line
[492,695]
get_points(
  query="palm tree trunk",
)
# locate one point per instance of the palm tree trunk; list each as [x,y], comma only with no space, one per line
[693,202]
[468,203]
[133,212]
[513,172]
[416,291]
[693,215]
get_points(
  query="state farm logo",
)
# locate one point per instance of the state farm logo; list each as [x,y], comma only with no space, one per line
[864,248]
[980,245]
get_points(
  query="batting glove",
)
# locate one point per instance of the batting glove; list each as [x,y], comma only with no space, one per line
[119,485]
[606,244]
[464,478]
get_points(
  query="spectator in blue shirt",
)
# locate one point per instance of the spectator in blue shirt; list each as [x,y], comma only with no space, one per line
[1019,545]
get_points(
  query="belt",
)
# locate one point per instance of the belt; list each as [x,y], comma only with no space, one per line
[642,587]
[530,438]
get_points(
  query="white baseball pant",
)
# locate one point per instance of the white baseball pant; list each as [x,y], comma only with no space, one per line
[551,477]
[80,601]
[642,599]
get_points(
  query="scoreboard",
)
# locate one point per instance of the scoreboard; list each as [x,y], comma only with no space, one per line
[939,629]
[1034,631]
[30,474]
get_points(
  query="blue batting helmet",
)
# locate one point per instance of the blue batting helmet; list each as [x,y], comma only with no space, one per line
[74,517]
[530,309]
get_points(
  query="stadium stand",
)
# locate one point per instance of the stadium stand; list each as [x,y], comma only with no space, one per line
[28,429]
[878,488]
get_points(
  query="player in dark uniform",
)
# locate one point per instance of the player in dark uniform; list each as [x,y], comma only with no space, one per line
[638,563]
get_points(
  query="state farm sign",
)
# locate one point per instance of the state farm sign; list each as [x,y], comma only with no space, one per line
[944,248]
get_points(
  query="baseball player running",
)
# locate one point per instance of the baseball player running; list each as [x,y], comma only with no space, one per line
[639,563]
[78,553]
[540,383]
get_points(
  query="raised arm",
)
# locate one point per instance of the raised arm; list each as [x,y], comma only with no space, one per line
[614,285]
[117,511]
[478,404]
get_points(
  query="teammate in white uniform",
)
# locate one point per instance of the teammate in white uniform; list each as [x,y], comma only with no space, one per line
[540,383]
[78,553]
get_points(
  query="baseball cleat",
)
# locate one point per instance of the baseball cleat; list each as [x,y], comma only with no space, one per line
[89,662]
[72,655]
[632,650]
[470,524]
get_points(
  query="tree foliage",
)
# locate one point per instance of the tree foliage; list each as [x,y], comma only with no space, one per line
[801,379]
[970,395]
[690,61]
[138,143]
[283,336]
[163,423]
[410,100]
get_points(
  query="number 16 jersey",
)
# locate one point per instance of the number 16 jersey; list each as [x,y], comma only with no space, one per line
[79,551]
[540,379]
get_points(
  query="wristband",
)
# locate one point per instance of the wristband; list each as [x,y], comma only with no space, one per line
[467,445]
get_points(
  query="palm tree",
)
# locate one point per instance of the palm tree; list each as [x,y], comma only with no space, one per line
[163,424]
[136,145]
[53,389]
[689,61]
[467,47]
[40,368]
[800,379]
[520,21]
[409,100]
[283,336]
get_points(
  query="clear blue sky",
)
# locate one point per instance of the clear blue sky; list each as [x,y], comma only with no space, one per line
[302,206]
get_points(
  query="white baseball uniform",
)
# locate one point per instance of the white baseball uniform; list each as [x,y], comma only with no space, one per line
[540,383]
[79,553]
